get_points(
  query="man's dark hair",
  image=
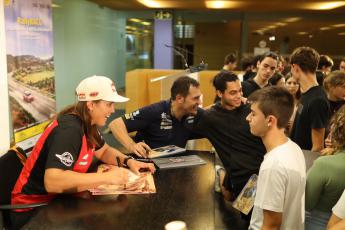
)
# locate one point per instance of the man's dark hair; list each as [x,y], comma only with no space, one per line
[306,58]
[276,101]
[230,58]
[181,86]
[268,54]
[220,80]
[325,61]
[247,62]
[276,77]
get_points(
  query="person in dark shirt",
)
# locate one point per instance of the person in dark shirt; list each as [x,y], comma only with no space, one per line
[278,79]
[335,87]
[313,115]
[325,64]
[230,62]
[61,158]
[163,123]
[225,125]
[249,67]
[342,65]
[266,68]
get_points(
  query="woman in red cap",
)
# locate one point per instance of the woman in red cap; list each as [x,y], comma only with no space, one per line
[61,158]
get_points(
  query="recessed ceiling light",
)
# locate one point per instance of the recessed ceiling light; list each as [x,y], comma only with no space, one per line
[260,32]
[325,28]
[324,5]
[146,23]
[134,20]
[338,25]
[302,33]
[151,4]
[281,24]
[293,19]
[221,4]
[272,27]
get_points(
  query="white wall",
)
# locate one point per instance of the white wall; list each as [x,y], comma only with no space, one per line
[4,105]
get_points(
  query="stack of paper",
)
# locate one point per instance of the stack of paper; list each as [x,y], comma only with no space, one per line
[165,151]
[142,184]
[178,162]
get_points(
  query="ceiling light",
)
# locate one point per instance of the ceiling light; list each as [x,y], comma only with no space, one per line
[293,19]
[324,5]
[338,25]
[146,23]
[260,32]
[130,28]
[342,33]
[302,33]
[272,38]
[272,27]
[150,3]
[325,28]
[221,4]
[281,24]
[134,20]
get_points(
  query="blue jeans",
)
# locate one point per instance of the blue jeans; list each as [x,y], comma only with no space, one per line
[316,220]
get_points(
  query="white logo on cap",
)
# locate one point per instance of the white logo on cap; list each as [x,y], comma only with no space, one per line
[66,158]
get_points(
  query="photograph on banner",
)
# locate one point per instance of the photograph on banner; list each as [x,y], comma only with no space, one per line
[30,65]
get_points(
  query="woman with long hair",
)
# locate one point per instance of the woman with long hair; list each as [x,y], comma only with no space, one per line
[326,178]
[293,87]
[61,158]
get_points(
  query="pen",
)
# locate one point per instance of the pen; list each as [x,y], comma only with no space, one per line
[146,160]
[118,161]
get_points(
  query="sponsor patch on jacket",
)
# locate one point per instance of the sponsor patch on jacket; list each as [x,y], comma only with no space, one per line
[190,119]
[166,122]
[132,115]
[66,158]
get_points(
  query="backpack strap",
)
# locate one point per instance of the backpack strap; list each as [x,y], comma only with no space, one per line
[20,155]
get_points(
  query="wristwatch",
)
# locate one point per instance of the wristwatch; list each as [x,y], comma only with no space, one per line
[127,159]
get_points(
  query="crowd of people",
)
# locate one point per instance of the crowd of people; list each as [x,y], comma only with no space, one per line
[257,126]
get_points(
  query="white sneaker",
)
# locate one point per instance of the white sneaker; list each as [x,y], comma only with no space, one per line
[217,185]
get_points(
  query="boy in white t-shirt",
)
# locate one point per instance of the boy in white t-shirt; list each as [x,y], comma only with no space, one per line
[279,201]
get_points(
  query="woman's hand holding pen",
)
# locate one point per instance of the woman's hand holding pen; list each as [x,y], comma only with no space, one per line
[140,149]
[135,166]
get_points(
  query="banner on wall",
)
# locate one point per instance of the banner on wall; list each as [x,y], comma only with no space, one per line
[30,67]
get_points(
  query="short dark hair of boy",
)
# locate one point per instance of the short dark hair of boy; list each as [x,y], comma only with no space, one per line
[230,58]
[276,77]
[181,86]
[247,62]
[306,58]
[334,79]
[220,80]
[275,101]
[325,61]
[270,55]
